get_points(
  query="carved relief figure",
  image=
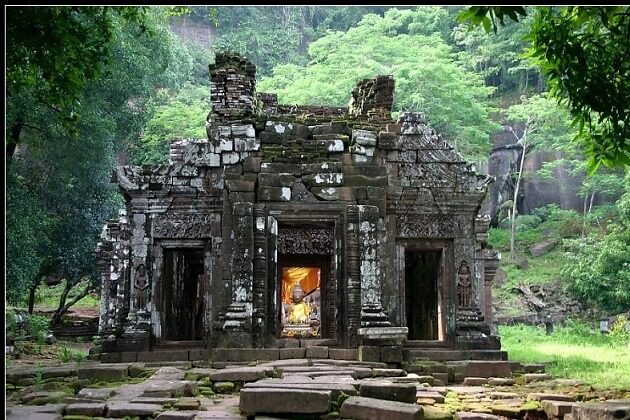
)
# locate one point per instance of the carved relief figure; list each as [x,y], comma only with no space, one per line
[142,285]
[463,285]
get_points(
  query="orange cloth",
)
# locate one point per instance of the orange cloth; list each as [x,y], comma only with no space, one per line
[307,277]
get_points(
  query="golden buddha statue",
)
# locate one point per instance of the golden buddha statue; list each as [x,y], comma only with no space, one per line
[299,310]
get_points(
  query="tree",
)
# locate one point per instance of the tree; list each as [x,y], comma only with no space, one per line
[52,53]
[59,178]
[598,270]
[535,122]
[583,52]
[428,76]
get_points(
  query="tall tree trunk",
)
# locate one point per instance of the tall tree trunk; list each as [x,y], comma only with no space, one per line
[584,214]
[14,139]
[523,141]
[63,306]
[31,295]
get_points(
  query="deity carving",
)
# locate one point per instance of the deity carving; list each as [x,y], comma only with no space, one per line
[142,284]
[464,285]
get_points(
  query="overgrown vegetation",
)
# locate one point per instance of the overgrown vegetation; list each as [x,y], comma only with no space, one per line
[574,351]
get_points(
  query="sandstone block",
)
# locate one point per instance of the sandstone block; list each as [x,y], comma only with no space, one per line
[86,409]
[361,408]
[317,352]
[294,401]
[389,391]
[123,409]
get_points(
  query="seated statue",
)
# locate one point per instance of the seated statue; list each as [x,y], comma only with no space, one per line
[299,311]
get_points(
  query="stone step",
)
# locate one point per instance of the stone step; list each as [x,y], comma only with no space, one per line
[362,408]
[293,401]
[411,353]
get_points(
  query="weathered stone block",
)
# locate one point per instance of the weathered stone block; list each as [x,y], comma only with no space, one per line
[342,354]
[389,391]
[162,356]
[293,401]
[230,158]
[245,186]
[369,354]
[244,374]
[292,353]
[123,409]
[317,352]
[326,193]
[557,409]
[252,164]
[86,409]
[486,369]
[323,179]
[276,180]
[391,354]
[274,193]
[364,137]
[177,415]
[361,408]
[107,373]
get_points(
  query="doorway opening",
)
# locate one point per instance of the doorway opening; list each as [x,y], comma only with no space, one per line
[183,294]
[301,292]
[422,294]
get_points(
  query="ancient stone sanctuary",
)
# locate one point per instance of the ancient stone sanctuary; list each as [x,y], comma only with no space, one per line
[300,231]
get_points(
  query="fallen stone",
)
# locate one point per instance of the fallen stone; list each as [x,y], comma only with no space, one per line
[602,411]
[26,410]
[388,372]
[223,387]
[467,389]
[361,408]
[500,381]
[335,388]
[165,388]
[100,394]
[123,409]
[34,416]
[474,381]
[389,391]
[475,416]
[555,408]
[177,415]
[86,409]
[432,413]
[169,373]
[487,369]
[535,377]
[317,352]
[541,248]
[296,401]
[154,400]
[497,395]
[136,369]
[187,403]
[104,372]
[534,368]
[540,396]
[435,396]
[515,409]
[243,374]
[43,397]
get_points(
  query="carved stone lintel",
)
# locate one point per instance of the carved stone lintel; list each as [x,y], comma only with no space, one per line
[313,241]
[187,226]
[426,226]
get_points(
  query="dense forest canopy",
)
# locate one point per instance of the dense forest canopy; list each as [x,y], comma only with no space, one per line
[90,87]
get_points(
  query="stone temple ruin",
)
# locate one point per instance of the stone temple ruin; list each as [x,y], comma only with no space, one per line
[295,231]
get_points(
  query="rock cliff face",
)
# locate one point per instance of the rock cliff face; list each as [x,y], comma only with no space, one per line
[536,191]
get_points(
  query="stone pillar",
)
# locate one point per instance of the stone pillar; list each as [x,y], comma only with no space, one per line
[260,277]
[353,285]
[375,327]
[491,263]
[237,328]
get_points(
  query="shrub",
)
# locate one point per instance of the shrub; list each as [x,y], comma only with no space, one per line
[38,327]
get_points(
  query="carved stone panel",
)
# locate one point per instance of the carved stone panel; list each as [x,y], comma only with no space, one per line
[188,226]
[314,241]
[426,226]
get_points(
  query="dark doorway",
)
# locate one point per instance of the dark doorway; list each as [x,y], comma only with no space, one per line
[301,293]
[183,287]
[422,270]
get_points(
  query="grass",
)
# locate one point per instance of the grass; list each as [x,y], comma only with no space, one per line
[48,296]
[575,351]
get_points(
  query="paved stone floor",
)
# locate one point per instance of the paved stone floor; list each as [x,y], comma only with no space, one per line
[306,388]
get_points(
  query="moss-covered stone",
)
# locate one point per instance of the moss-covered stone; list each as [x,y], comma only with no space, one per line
[224,387]
[432,413]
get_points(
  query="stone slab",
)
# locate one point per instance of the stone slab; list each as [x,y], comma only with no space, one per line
[486,369]
[104,372]
[557,408]
[389,391]
[362,408]
[602,411]
[86,409]
[540,396]
[123,409]
[317,352]
[435,396]
[476,416]
[177,415]
[335,388]
[243,374]
[274,401]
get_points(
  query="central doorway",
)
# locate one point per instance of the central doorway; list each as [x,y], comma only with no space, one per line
[183,291]
[422,294]
[301,291]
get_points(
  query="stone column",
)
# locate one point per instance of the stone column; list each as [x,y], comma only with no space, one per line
[237,328]
[260,276]
[375,327]
[353,287]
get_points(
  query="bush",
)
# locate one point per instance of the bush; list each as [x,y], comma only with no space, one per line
[37,326]
[527,221]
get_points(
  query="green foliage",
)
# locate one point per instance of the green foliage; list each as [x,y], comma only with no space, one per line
[488,15]
[583,52]
[178,115]
[428,76]
[599,269]
[66,355]
[48,296]
[38,327]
